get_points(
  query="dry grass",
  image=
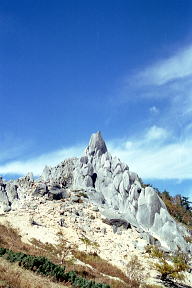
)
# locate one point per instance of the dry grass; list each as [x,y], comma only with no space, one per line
[135,270]
[10,239]
[93,274]
[100,266]
[188,239]
[12,276]
[104,267]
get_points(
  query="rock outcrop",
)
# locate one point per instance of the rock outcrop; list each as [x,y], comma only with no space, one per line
[108,183]
[107,178]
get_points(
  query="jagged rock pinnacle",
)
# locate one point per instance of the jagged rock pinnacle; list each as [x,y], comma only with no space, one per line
[96,145]
[109,184]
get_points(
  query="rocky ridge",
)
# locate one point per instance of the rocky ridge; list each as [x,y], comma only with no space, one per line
[105,181]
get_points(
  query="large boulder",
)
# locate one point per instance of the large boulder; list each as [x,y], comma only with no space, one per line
[40,190]
[11,190]
[55,192]
[4,201]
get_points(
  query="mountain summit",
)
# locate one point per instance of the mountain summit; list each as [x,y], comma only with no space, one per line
[96,145]
[109,184]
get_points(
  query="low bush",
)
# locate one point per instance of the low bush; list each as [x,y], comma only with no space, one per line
[135,270]
[13,276]
[14,256]
[169,266]
[91,244]
[103,266]
[43,266]
[2,251]
[179,207]
[154,251]
[10,239]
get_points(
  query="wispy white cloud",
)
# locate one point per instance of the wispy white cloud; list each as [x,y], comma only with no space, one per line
[37,164]
[176,67]
[156,133]
[166,84]
[153,155]
[158,153]
[154,159]
[154,110]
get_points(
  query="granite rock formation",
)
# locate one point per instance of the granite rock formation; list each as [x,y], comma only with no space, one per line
[109,184]
[124,195]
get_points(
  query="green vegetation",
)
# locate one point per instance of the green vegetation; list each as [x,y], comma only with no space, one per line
[179,207]
[89,243]
[105,267]
[99,271]
[154,252]
[169,266]
[13,276]
[43,266]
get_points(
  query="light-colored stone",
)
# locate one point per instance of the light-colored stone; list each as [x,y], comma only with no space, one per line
[109,184]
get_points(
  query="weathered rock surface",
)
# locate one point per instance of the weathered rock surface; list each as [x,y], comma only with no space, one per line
[108,181]
[62,173]
[110,185]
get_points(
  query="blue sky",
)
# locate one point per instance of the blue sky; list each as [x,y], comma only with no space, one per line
[70,68]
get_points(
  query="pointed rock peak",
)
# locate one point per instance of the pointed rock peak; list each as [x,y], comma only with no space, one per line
[96,145]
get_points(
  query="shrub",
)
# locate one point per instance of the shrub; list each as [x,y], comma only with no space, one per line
[15,256]
[88,243]
[43,266]
[135,270]
[2,251]
[154,251]
[59,273]
[10,239]
[169,266]
[179,207]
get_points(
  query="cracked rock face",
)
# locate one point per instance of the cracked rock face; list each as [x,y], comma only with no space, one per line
[109,184]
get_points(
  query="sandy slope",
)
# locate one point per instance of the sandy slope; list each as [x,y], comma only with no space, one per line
[80,221]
